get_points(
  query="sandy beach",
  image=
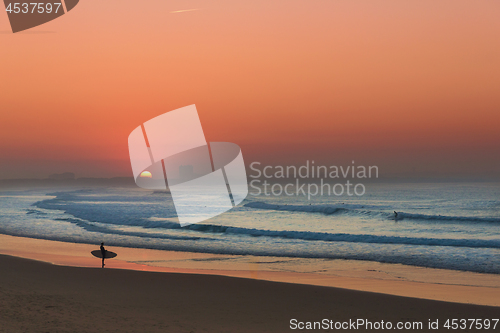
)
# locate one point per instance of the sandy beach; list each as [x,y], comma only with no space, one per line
[41,297]
[399,280]
[67,291]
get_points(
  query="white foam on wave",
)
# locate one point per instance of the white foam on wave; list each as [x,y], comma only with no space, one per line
[362,209]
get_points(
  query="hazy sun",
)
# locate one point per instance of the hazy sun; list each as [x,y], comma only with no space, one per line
[146,174]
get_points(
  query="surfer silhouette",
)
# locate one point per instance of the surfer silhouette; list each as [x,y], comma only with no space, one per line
[395,215]
[103,253]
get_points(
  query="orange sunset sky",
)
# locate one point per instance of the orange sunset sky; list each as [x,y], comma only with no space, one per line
[411,86]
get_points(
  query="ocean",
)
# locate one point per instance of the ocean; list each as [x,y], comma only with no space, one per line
[452,226]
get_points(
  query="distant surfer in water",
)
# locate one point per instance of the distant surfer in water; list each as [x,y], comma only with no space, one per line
[395,215]
[103,253]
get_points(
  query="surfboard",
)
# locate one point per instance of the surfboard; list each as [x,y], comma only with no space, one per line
[109,254]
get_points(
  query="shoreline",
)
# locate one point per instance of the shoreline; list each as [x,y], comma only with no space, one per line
[390,279]
[40,297]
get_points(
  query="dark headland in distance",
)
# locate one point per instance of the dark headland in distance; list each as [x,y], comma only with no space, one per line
[69,179]
[66,179]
